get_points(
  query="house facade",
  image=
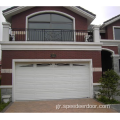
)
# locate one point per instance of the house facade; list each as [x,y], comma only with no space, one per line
[49,53]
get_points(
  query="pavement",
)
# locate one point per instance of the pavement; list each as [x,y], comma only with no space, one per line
[116,107]
[84,105]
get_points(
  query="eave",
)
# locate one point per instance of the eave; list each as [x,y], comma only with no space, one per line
[8,14]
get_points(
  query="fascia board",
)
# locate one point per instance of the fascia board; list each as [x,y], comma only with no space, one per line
[109,22]
[17,10]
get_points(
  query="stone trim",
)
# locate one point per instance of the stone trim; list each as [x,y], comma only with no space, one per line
[97,69]
[6,70]
[10,70]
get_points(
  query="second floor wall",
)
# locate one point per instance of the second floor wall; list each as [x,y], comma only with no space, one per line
[19,20]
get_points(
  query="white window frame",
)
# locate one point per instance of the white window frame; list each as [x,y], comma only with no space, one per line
[51,11]
[114,31]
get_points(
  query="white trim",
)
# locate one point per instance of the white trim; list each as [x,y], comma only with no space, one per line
[111,21]
[49,43]
[96,83]
[113,53]
[116,55]
[6,70]
[15,9]
[110,42]
[109,50]
[50,46]
[81,12]
[51,11]
[6,86]
[110,45]
[14,61]
[97,69]
[114,31]
[10,13]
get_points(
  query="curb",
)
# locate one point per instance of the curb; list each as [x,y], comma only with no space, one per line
[108,104]
[6,107]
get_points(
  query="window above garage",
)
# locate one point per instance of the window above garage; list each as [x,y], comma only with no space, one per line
[116,33]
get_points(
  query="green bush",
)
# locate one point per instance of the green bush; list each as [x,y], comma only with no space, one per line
[109,83]
[2,104]
[107,101]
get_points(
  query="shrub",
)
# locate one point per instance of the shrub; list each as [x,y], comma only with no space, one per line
[109,83]
[107,101]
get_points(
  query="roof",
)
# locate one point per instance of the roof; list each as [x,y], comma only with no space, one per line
[76,6]
[9,9]
[86,10]
[8,13]
[111,20]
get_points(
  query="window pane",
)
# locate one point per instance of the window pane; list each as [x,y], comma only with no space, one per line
[61,26]
[41,17]
[117,33]
[59,18]
[39,25]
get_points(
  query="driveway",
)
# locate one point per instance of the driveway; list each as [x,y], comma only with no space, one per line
[60,106]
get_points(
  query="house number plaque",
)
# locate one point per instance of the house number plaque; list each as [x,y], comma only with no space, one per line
[53,55]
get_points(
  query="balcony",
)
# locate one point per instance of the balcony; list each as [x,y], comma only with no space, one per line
[61,35]
[49,39]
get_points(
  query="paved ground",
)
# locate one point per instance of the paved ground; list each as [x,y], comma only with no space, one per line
[116,107]
[50,106]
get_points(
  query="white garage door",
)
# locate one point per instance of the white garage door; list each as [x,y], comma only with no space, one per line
[37,81]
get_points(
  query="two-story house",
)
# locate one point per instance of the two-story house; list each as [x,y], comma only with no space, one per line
[49,53]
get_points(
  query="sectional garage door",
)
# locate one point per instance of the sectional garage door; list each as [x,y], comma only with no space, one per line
[39,81]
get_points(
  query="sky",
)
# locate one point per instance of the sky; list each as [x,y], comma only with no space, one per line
[103,13]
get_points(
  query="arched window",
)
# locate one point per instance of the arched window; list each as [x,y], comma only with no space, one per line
[50,21]
[50,27]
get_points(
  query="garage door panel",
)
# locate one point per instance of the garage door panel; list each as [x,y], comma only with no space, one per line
[25,91]
[55,81]
[23,96]
[23,77]
[22,81]
[62,95]
[56,89]
[25,86]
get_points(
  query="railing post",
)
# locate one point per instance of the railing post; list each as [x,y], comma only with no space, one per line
[96,33]
[6,27]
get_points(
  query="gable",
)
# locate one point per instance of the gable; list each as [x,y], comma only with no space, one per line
[78,10]
[19,20]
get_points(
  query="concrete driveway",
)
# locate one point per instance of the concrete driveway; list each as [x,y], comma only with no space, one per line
[85,105]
